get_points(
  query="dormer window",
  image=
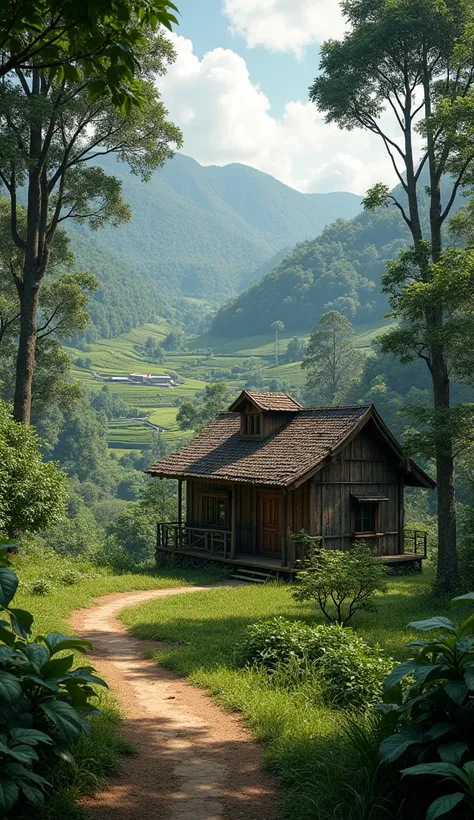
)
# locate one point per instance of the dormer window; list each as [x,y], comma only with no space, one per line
[251,424]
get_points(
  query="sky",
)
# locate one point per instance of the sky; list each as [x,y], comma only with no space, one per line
[239,91]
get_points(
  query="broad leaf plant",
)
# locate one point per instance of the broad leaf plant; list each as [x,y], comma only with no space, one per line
[429,710]
[45,701]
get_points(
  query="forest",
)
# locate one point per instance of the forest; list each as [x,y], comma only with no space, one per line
[121,255]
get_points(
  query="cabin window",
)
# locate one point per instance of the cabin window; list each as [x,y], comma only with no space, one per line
[365,517]
[251,424]
[215,510]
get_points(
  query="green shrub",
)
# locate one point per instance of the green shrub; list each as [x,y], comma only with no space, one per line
[41,586]
[71,577]
[342,583]
[332,662]
[44,701]
[429,702]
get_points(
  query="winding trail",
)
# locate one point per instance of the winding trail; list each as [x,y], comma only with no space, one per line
[194,761]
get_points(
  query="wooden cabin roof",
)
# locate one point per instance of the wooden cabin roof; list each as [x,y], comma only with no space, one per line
[274,402]
[287,457]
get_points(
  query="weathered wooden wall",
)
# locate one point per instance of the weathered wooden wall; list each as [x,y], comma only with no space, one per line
[322,505]
[362,467]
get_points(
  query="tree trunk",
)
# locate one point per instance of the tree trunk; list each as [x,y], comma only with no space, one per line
[448,570]
[25,362]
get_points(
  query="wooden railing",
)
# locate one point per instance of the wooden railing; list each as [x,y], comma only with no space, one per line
[175,537]
[416,542]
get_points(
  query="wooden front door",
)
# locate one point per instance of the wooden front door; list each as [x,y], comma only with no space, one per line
[270,525]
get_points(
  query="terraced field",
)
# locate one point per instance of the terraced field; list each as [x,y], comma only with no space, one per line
[123,355]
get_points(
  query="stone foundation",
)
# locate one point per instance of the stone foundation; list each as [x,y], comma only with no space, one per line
[407,568]
[168,560]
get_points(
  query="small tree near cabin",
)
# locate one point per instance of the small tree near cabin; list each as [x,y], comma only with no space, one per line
[414,59]
[342,583]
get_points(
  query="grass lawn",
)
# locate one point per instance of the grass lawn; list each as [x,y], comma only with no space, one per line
[100,756]
[304,743]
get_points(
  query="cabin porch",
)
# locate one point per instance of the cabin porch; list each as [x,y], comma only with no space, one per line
[220,546]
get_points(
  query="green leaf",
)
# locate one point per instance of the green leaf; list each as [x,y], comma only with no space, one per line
[444,804]
[394,746]
[439,622]
[438,730]
[24,754]
[50,684]
[30,736]
[456,690]
[452,752]
[8,793]
[56,642]
[57,667]
[463,599]
[397,674]
[469,678]
[33,795]
[21,621]
[8,585]
[69,723]
[439,769]
[63,751]
[36,654]
[10,687]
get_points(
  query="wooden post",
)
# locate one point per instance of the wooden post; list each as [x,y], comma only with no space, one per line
[180,512]
[233,545]
[284,546]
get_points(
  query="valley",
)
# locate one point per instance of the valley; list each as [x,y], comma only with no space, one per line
[194,367]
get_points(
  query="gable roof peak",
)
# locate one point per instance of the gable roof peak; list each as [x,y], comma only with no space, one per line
[276,402]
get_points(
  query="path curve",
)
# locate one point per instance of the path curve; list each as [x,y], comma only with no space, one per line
[194,761]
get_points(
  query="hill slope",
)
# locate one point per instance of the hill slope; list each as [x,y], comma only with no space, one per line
[202,231]
[340,269]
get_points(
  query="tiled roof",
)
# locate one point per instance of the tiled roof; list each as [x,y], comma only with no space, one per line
[272,401]
[281,459]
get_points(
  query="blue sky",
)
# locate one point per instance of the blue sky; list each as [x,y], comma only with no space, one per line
[280,75]
[239,91]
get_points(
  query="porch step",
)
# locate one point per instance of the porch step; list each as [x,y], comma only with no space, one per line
[253,576]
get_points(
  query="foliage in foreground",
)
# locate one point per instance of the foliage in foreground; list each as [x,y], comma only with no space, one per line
[32,492]
[335,666]
[44,701]
[342,583]
[429,701]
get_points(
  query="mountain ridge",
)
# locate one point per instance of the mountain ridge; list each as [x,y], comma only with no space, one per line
[203,231]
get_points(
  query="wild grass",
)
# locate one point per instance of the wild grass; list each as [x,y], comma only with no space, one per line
[312,748]
[98,757]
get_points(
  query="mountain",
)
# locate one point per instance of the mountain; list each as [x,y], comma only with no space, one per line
[340,269]
[203,231]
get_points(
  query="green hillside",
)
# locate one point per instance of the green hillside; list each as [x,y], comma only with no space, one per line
[203,231]
[120,356]
[340,269]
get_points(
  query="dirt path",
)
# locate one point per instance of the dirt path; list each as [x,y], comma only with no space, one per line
[194,761]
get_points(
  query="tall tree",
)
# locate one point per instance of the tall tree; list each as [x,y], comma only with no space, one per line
[51,131]
[277,326]
[76,39]
[415,60]
[207,404]
[331,360]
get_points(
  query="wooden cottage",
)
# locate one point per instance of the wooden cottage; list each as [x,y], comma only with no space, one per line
[269,468]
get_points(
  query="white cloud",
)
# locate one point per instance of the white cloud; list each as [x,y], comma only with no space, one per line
[284,25]
[225,117]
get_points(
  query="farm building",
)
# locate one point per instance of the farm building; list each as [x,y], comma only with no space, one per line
[269,468]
